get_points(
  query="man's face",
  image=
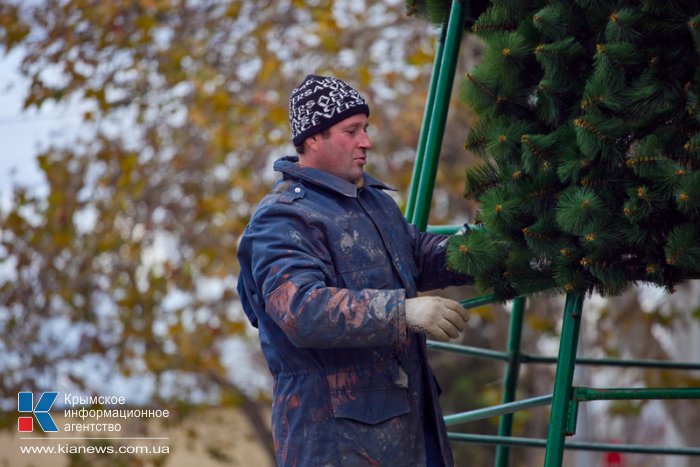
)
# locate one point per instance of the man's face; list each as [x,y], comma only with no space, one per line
[342,151]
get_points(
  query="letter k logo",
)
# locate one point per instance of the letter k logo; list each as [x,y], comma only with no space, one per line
[25,403]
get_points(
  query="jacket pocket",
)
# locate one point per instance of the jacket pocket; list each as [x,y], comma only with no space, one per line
[371,405]
[376,427]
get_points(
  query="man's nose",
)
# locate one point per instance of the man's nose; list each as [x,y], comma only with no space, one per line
[365,143]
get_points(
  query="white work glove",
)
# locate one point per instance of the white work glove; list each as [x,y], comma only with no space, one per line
[438,318]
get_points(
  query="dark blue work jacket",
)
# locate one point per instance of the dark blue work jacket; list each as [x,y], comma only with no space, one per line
[325,271]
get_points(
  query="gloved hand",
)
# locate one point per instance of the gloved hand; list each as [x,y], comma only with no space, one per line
[438,318]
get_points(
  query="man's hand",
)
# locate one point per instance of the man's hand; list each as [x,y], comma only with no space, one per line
[438,318]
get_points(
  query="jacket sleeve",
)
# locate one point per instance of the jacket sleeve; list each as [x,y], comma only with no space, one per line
[292,269]
[430,252]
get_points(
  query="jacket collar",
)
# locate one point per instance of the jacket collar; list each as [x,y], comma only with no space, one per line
[289,166]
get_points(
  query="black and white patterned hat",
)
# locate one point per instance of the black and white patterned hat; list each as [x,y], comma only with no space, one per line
[320,102]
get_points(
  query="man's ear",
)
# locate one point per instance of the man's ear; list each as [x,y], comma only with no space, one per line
[311,143]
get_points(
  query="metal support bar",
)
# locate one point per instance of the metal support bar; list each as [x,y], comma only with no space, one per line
[425,126]
[571,417]
[528,358]
[496,410]
[665,364]
[579,394]
[436,127]
[599,394]
[576,445]
[564,376]
[468,350]
[443,229]
[512,371]
[477,301]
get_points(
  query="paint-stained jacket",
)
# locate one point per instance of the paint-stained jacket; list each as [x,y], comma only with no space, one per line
[325,271]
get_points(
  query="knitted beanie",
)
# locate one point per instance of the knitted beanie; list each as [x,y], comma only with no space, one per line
[320,102]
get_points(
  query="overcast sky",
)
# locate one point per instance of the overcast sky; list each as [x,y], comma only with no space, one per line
[24,133]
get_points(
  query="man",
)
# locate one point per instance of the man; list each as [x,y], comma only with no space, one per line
[330,270]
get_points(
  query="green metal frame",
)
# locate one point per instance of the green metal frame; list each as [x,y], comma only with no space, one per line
[565,397]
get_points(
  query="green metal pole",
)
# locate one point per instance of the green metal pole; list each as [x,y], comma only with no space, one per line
[568,343]
[478,301]
[425,126]
[496,410]
[467,350]
[602,394]
[603,447]
[510,383]
[664,364]
[444,229]
[448,66]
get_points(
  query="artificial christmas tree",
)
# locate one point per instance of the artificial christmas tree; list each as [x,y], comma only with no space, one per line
[588,135]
